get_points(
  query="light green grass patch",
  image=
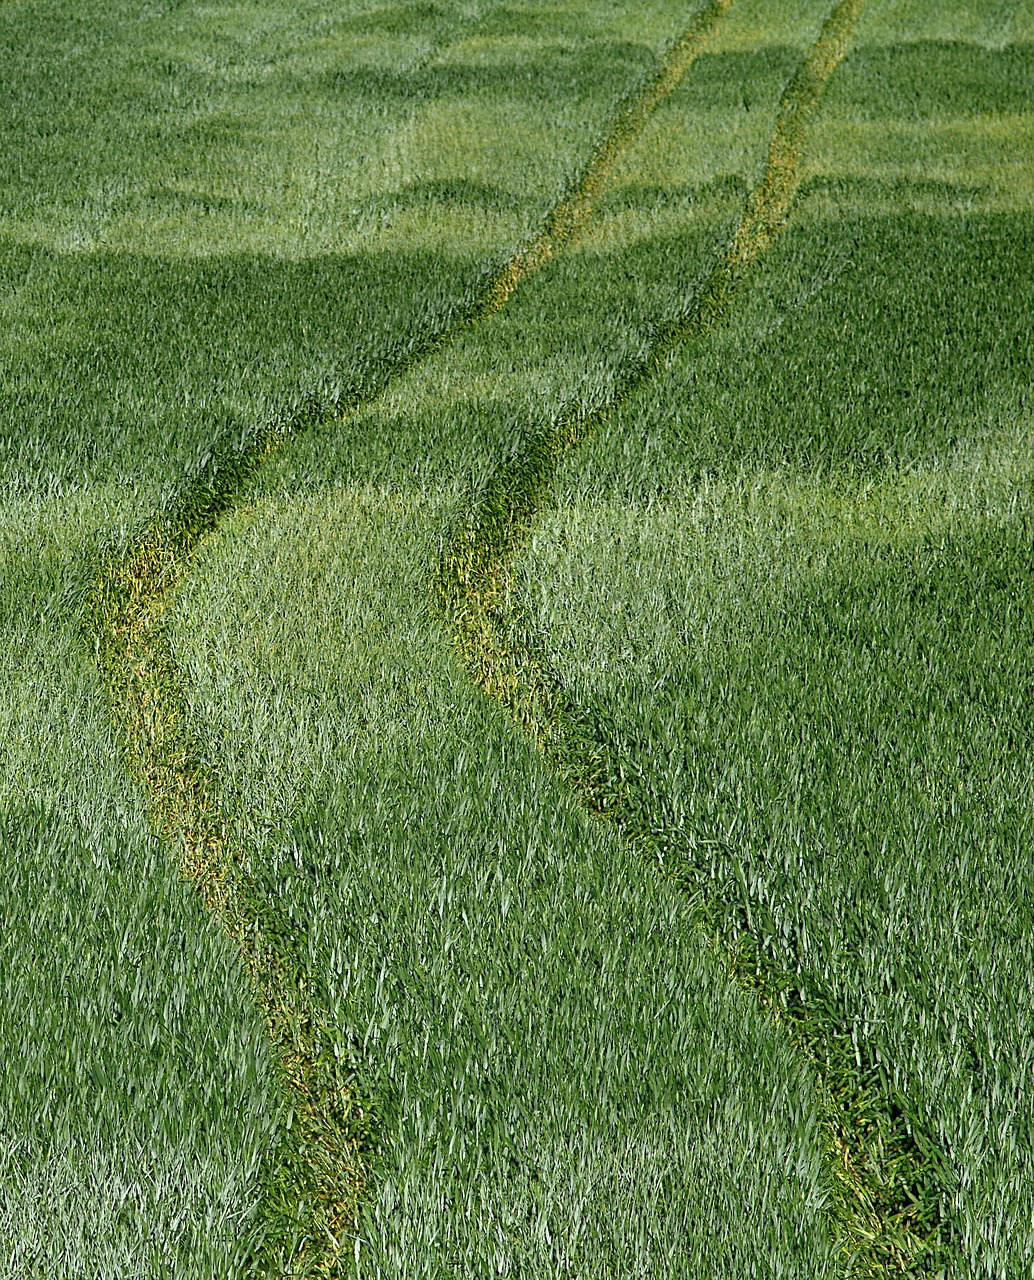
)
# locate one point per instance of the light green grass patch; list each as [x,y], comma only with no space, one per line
[993,24]
[982,164]
[563,1076]
[136,1088]
[759,24]
[709,562]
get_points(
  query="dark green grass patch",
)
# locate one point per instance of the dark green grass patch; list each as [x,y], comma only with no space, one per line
[935,80]
[867,343]
[110,353]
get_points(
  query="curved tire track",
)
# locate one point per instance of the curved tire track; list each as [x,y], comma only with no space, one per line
[574,212]
[318,1178]
[885,1167]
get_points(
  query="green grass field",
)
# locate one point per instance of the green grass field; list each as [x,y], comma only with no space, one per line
[516,525]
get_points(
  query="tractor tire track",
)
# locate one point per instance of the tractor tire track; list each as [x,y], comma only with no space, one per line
[887,1174]
[574,212]
[307,1220]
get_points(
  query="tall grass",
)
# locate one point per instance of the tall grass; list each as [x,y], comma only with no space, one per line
[210,221]
[455,913]
[563,1079]
[137,1101]
[783,590]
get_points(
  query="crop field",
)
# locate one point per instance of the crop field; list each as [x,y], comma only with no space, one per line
[517,529]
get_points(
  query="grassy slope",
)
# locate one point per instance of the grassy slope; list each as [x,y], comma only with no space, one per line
[789,581]
[480,946]
[203,218]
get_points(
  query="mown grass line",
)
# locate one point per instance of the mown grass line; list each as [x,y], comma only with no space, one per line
[316,1179]
[887,1173]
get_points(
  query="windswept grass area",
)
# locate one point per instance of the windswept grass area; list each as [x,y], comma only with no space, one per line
[330,186]
[563,1078]
[531,1120]
[292,301]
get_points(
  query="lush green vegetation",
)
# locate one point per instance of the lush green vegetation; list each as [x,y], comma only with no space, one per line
[327,185]
[779,598]
[207,218]
[786,588]
[455,911]
[551,1052]
[135,1097]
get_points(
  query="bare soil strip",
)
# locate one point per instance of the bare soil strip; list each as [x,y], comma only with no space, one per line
[887,1173]
[317,1177]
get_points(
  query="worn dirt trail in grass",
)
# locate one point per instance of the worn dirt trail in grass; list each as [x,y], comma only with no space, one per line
[888,1215]
[318,1175]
